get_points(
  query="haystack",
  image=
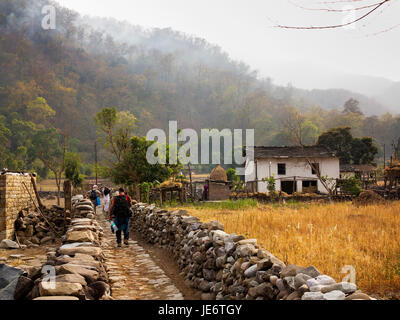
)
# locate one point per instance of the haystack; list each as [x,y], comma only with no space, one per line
[218,174]
[170,184]
[393,171]
[368,197]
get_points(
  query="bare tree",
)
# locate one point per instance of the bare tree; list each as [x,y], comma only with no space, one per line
[365,8]
[293,123]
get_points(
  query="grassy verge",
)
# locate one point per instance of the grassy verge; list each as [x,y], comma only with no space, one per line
[329,236]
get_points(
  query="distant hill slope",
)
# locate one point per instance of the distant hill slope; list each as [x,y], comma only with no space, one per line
[159,75]
[391,97]
[195,50]
[336,98]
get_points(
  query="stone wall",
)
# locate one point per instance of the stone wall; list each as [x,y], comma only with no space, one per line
[13,198]
[228,266]
[218,191]
[78,264]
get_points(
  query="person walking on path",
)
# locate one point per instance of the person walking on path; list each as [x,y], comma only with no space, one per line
[120,212]
[106,200]
[93,195]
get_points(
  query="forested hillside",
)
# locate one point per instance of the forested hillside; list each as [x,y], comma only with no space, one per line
[63,77]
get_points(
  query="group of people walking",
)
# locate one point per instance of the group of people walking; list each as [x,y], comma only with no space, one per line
[117,209]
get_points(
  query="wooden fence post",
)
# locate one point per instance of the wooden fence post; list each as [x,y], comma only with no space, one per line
[68,195]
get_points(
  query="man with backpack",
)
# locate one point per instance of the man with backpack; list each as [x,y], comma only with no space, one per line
[120,212]
[93,195]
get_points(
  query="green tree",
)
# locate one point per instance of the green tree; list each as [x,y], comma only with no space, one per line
[338,140]
[351,185]
[231,174]
[39,112]
[50,147]
[363,150]
[115,129]
[271,185]
[72,169]
[347,148]
[5,135]
[135,168]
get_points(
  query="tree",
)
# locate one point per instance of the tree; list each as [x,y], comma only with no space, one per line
[231,174]
[352,106]
[116,130]
[348,149]
[293,123]
[271,185]
[396,150]
[363,151]
[351,185]
[338,140]
[134,167]
[39,112]
[50,147]
[72,169]
[5,134]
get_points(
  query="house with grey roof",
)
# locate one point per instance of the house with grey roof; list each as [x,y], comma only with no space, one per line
[295,169]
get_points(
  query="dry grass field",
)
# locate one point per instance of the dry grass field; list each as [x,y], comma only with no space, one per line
[50,184]
[328,236]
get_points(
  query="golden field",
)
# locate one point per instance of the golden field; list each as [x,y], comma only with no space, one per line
[328,236]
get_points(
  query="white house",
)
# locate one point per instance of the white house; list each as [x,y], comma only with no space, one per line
[291,168]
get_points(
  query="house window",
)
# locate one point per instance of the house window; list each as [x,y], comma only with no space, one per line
[282,169]
[309,183]
[315,168]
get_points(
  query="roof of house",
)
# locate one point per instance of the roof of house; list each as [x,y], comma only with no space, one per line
[357,168]
[292,152]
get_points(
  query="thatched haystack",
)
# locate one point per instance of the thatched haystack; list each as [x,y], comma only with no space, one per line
[393,171]
[218,174]
[368,197]
[170,184]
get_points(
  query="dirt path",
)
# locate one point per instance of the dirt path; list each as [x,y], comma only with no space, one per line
[133,274]
[167,262]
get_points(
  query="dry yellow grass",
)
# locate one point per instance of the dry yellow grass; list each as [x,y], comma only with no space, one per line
[328,236]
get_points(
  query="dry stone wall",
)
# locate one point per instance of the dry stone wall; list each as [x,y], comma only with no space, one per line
[74,271]
[13,198]
[80,273]
[228,266]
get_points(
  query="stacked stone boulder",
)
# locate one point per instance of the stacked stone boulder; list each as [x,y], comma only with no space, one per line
[228,266]
[34,229]
[82,208]
[78,264]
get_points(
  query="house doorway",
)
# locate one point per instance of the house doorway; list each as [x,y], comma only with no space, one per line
[289,187]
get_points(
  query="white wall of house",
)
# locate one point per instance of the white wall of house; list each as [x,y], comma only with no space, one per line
[294,167]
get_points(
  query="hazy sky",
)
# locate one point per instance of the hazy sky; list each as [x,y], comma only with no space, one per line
[243,29]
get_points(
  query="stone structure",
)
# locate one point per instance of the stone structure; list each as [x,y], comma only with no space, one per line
[78,263]
[228,266]
[13,198]
[218,186]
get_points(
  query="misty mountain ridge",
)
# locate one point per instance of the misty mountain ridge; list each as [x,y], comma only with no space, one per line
[374,90]
[376,95]
[158,75]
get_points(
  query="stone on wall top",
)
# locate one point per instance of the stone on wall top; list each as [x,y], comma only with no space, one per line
[7,172]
